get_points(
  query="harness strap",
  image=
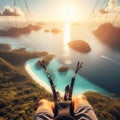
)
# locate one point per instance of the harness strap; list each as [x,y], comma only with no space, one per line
[64,111]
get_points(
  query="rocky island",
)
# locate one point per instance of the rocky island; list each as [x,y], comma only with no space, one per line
[55,30]
[109,35]
[63,69]
[80,46]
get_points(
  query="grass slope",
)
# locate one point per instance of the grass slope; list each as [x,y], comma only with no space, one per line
[106,108]
[20,56]
[19,94]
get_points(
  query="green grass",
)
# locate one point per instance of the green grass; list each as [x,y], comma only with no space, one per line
[105,107]
[19,94]
[20,56]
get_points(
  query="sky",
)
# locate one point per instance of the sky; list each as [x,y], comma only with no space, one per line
[61,9]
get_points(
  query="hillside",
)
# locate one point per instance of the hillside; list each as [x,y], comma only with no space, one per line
[19,94]
[20,56]
[106,108]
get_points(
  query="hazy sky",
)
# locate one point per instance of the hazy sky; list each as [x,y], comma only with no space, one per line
[55,9]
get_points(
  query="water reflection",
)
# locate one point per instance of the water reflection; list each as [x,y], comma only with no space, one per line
[67,39]
[67,33]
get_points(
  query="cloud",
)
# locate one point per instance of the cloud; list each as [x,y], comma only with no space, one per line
[112,7]
[112,4]
[9,11]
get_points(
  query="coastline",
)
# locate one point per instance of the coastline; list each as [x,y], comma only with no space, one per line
[39,80]
[35,78]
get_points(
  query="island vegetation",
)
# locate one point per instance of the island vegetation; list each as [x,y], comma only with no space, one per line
[19,93]
[109,35]
[80,46]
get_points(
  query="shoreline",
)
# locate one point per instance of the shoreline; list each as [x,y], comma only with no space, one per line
[36,79]
[39,80]
[47,87]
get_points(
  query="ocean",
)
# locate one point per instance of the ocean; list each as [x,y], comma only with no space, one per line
[101,65]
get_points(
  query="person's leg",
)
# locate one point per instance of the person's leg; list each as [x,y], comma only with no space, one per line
[45,110]
[80,100]
[82,108]
[45,105]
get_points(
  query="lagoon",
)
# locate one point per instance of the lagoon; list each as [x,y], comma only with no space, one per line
[61,79]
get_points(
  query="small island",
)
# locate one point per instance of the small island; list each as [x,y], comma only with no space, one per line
[109,35]
[55,30]
[80,46]
[47,30]
[63,69]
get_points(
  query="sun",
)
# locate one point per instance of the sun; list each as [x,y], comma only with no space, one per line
[69,12]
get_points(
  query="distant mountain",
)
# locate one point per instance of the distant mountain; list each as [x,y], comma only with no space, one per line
[80,46]
[109,35]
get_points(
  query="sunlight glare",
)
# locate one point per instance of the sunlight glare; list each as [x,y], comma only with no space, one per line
[67,33]
[69,12]
[66,40]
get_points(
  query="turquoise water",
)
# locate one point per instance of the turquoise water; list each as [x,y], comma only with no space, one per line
[63,79]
